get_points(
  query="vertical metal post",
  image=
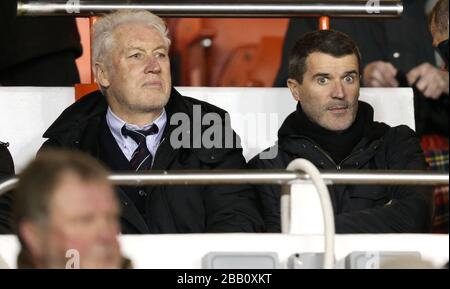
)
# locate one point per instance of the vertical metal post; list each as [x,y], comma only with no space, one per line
[285,208]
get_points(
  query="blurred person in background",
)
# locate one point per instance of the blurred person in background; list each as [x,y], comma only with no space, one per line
[439,29]
[64,207]
[37,51]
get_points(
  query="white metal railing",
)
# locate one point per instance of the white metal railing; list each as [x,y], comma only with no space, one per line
[269,177]
[325,204]
[219,8]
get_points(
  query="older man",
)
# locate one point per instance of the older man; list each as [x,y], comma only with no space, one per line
[335,131]
[66,214]
[133,125]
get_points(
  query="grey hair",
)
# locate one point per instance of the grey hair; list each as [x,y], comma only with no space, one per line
[103,30]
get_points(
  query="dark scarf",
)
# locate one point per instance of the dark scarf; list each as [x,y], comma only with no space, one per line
[338,145]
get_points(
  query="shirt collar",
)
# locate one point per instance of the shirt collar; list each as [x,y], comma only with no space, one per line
[115,123]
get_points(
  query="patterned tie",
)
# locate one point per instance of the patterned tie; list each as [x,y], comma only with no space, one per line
[142,158]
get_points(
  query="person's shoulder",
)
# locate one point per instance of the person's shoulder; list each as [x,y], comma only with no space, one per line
[401,140]
[190,102]
[271,158]
[4,149]
[401,132]
[87,105]
[392,136]
[206,107]
[382,130]
[6,161]
[80,111]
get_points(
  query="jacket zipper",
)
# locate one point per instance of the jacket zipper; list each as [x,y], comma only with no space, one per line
[338,166]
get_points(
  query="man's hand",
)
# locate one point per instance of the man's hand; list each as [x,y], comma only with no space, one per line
[431,81]
[380,74]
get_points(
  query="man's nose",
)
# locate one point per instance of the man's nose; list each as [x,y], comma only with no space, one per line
[152,65]
[338,90]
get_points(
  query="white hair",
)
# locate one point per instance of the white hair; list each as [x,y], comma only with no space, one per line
[103,30]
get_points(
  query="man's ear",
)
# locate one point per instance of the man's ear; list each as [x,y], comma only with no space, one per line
[294,86]
[101,74]
[31,233]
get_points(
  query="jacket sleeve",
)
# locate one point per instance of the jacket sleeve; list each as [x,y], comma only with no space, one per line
[5,213]
[268,196]
[229,208]
[6,171]
[411,208]
[49,144]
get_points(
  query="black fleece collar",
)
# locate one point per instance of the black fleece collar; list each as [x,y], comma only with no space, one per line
[337,144]
[364,130]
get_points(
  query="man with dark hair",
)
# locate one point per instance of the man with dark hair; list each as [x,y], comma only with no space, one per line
[439,28]
[335,131]
[66,214]
[6,171]
[395,53]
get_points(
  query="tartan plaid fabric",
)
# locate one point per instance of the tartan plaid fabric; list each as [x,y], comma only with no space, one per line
[438,160]
[440,223]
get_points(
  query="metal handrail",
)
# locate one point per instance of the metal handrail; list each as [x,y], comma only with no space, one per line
[325,204]
[269,177]
[220,8]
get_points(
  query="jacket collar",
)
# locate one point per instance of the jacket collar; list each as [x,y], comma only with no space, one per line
[94,105]
[78,125]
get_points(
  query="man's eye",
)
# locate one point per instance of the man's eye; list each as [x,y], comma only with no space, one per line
[322,80]
[137,56]
[160,55]
[349,79]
